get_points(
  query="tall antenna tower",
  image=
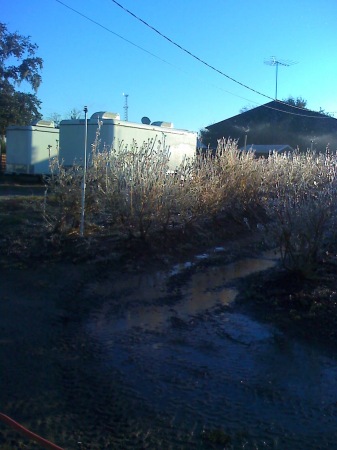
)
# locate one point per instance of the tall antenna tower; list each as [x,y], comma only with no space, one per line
[126,107]
[273,61]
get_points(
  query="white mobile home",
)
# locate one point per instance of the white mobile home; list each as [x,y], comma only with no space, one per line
[29,148]
[118,133]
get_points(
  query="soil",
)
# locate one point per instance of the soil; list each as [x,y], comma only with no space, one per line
[308,306]
[304,307]
[42,276]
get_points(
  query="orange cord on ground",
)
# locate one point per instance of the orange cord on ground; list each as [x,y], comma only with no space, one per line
[40,440]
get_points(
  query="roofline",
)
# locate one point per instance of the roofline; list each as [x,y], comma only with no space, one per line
[276,106]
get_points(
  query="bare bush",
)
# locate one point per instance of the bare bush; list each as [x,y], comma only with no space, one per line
[137,188]
[299,195]
[62,198]
[130,189]
[223,182]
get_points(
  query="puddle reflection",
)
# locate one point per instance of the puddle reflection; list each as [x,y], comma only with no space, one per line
[205,290]
[226,369]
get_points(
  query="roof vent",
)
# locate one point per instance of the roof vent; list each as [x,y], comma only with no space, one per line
[44,123]
[162,124]
[105,115]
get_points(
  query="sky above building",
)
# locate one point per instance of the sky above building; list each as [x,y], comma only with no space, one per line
[203,62]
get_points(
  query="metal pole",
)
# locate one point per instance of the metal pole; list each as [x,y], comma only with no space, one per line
[276,62]
[276,79]
[126,107]
[84,170]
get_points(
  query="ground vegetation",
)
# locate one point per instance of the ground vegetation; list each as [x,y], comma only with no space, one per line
[139,214]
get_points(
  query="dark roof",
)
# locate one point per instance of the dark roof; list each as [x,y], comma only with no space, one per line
[278,122]
[265,149]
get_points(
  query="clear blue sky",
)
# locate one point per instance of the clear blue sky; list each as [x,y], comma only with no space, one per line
[84,64]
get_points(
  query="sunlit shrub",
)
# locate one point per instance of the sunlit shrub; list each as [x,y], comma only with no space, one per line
[63,198]
[223,182]
[132,190]
[298,192]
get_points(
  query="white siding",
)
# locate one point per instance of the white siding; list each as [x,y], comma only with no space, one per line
[116,132]
[27,148]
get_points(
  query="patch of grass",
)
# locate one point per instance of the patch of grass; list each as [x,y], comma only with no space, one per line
[18,212]
[216,436]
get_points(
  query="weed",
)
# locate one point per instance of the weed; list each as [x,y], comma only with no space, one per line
[131,190]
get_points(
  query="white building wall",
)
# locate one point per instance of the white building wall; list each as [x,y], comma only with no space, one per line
[29,149]
[116,133]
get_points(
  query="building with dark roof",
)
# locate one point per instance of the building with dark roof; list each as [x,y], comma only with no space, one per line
[265,149]
[278,123]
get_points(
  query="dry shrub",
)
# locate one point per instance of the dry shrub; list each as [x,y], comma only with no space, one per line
[223,182]
[135,190]
[126,188]
[299,196]
[62,198]
[130,189]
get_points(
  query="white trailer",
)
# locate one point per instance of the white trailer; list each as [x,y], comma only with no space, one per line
[118,133]
[29,148]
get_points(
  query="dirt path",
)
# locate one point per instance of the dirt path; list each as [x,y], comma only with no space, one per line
[102,359]
[107,350]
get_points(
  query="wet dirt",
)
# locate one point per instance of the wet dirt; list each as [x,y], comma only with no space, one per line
[201,365]
[20,185]
[158,359]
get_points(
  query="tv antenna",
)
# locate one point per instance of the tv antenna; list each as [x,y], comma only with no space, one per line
[126,107]
[273,61]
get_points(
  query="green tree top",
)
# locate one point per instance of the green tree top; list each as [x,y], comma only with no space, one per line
[299,102]
[14,47]
[18,63]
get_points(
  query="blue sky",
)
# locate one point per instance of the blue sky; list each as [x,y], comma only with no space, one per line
[84,64]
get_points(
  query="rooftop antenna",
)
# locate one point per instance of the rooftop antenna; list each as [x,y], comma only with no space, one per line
[126,107]
[273,61]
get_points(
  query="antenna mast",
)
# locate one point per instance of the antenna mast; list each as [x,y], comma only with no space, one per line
[273,61]
[126,107]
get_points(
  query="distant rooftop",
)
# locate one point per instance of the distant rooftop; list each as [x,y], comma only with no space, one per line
[277,122]
[266,148]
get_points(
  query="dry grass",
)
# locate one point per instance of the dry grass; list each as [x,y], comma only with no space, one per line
[131,190]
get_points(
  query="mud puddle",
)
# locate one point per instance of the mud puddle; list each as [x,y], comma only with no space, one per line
[149,304]
[165,366]
[167,361]
[205,375]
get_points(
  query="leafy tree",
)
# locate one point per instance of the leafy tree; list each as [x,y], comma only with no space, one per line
[206,137]
[18,63]
[246,108]
[299,102]
[325,113]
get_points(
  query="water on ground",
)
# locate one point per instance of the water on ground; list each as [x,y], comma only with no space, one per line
[166,363]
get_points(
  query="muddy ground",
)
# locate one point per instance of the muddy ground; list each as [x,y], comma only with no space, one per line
[101,345]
